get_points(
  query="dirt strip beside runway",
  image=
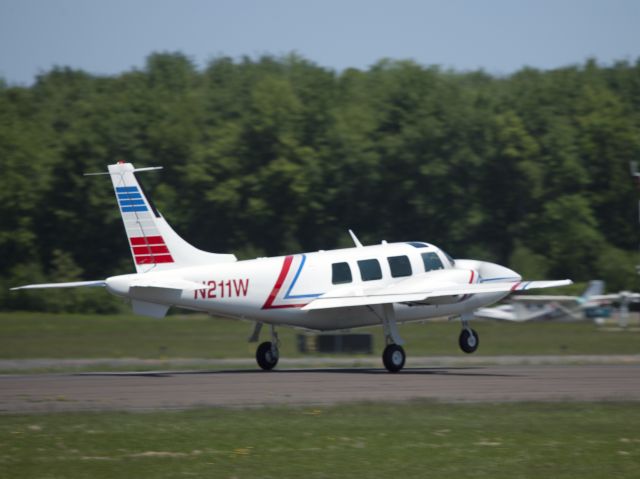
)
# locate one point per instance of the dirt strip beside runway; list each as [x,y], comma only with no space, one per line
[184,389]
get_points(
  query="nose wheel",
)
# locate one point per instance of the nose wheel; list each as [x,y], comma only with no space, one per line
[469,340]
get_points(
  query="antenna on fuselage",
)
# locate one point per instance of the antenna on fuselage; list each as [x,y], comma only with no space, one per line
[355,239]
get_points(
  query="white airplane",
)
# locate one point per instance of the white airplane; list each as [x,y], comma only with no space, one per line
[531,308]
[592,304]
[324,290]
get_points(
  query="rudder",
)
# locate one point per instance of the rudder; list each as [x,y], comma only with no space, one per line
[153,243]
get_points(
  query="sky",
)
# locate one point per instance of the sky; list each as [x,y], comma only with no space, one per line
[498,36]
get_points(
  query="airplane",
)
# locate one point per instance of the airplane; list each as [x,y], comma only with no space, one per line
[592,304]
[339,289]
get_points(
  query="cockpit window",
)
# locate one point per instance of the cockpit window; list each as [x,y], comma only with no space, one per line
[399,266]
[431,261]
[417,244]
[370,269]
[341,273]
[452,261]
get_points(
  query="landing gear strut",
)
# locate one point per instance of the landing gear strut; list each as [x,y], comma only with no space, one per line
[393,356]
[469,339]
[267,354]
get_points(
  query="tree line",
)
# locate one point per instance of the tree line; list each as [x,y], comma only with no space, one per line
[275,155]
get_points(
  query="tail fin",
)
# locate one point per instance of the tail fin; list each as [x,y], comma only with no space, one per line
[595,288]
[154,244]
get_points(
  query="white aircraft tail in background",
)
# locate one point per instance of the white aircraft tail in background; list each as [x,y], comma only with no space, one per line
[383,284]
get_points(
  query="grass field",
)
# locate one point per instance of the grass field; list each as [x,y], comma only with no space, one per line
[37,335]
[364,440]
[416,439]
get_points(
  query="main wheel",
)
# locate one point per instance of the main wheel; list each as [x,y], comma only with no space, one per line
[393,358]
[469,340]
[266,356]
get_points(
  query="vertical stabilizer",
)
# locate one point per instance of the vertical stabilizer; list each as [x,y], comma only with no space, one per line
[595,288]
[154,245]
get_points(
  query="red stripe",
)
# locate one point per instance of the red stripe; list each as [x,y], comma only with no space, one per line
[283,306]
[146,259]
[472,274]
[276,288]
[150,249]
[163,258]
[144,240]
[515,286]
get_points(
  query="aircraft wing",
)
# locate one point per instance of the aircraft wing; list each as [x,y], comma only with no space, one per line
[516,313]
[575,299]
[545,298]
[633,297]
[398,294]
[167,284]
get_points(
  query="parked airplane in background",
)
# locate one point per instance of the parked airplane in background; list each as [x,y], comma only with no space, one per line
[324,290]
[531,308]
[592,304]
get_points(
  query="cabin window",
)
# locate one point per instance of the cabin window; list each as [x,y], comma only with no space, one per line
[341,273]
[370,269]
[399,266]
[431,261]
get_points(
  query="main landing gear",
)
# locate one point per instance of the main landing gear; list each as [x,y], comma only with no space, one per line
[468,339]
[393,356]
[267,354]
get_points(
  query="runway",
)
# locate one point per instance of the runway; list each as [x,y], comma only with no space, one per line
[249,388]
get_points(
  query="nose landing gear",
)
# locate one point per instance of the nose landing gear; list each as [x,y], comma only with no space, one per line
[468,339]
[393,356]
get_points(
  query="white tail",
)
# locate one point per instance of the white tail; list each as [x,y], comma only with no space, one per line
[154,244]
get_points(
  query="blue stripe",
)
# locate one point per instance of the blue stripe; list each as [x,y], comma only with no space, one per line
[131,202]
[132,209]
[506,279]
[129,196]
[293,283]
[126,189]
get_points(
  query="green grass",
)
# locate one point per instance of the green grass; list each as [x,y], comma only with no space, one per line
[38,335]
[363,440]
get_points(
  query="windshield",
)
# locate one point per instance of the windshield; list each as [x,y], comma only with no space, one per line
[452,261]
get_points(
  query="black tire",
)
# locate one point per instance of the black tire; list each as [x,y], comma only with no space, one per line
[265,357]
[393,358]
[469,340]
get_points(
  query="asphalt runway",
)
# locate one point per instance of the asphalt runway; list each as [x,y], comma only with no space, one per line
[249,388]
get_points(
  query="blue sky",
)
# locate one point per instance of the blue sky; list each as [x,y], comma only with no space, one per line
[500,36]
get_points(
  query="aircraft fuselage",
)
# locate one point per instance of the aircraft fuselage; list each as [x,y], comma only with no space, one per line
[274,290]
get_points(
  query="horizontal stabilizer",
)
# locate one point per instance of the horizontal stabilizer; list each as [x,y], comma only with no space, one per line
[392,294]
[74,284]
